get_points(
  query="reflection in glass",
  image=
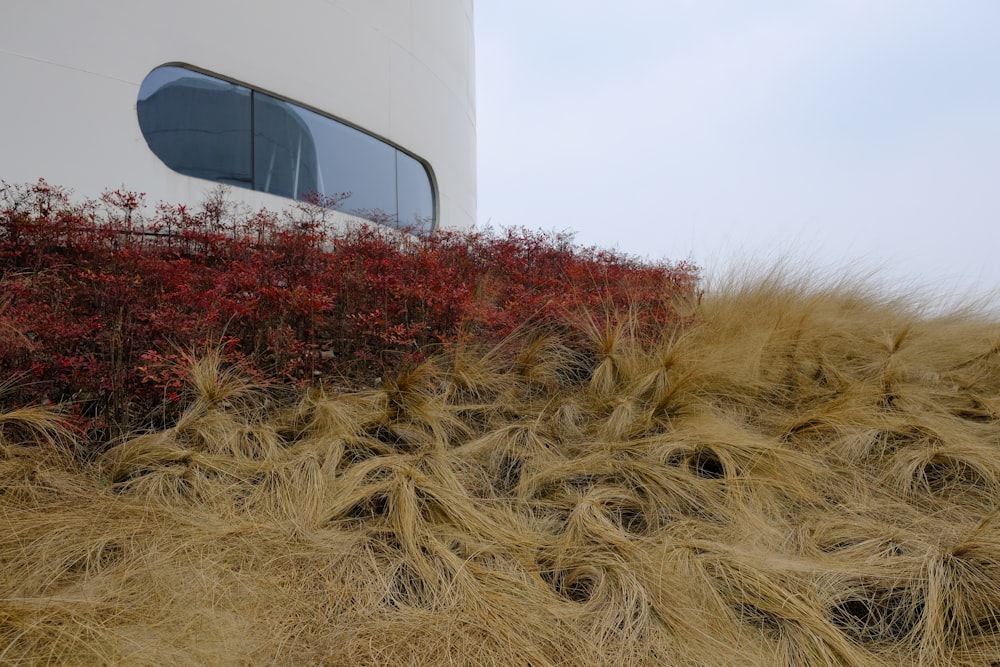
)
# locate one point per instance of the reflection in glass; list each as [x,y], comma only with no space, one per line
[355,162]
[414,192]
[196,124]
[284,153]
[206,127]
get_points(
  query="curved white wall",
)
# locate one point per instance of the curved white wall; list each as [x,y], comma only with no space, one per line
[70,71]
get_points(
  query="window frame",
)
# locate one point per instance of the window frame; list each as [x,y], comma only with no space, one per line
[253,90]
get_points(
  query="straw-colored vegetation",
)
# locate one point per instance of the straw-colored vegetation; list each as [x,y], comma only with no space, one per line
[801,477]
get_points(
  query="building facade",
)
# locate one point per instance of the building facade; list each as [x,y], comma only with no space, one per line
[366,103]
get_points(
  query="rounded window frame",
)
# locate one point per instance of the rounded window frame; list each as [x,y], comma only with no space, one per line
[434,221]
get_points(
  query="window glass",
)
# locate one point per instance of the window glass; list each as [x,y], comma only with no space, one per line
[206,127]
[196,124]
[415,194]
[355,162]
[284,149]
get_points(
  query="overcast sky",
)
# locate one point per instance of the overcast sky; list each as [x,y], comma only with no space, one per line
[844,133]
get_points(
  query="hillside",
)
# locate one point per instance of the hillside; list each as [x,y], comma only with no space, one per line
[782,473]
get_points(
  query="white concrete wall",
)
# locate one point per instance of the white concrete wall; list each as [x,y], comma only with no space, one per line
[70,71]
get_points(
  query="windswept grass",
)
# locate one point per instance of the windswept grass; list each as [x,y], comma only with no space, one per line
[802,476]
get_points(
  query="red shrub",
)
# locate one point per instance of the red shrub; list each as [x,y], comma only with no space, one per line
[98,302]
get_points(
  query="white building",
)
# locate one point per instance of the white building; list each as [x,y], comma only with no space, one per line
[279,99]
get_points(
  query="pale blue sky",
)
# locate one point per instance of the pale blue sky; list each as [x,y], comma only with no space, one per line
[861,134]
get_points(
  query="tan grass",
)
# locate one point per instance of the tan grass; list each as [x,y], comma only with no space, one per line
[804,475]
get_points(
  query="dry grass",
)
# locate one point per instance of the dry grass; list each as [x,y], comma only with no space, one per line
[805,476]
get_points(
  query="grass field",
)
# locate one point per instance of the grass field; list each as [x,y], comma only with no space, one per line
[803,476]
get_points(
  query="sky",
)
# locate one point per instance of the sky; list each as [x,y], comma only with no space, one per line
[848,136]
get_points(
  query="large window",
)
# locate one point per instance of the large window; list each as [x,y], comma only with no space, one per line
[203,126]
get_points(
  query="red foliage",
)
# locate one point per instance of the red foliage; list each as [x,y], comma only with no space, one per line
[99,302]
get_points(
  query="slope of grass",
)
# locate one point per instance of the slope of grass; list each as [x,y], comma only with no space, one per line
[801,477]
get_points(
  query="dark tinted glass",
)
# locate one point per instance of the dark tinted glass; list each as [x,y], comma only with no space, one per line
[202,126]
[415,194]
[285,160]
[351,161]
[196,124]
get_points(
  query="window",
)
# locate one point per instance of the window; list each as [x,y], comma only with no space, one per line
[203,126]
[198,125]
